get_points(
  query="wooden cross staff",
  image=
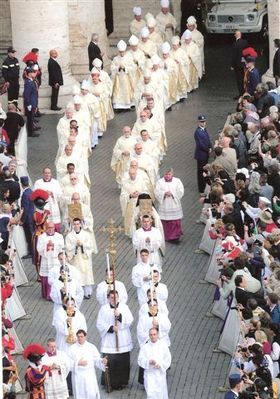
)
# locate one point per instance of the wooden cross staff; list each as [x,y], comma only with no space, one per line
[112,230]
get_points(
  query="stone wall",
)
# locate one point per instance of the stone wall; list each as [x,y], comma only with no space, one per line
[274,33]
[85,17]
[43,24]
[5,29]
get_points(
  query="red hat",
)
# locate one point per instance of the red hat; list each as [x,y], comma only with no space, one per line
[35,350]
[232,251]
[227,246]
[249,52]
[7,323]
[39,194]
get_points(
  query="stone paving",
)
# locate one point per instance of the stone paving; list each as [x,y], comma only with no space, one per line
[196,371]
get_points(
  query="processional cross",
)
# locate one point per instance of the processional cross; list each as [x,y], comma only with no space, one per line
[112,230]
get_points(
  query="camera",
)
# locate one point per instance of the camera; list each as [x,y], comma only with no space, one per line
[258,251]
[248,395]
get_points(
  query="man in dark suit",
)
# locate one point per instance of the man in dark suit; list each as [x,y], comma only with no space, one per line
[55,79]
[251,76]
[235,386]
[276,62]
[30,97]
[94,50]
[12,125]
[10,184]
[236,65]
[202,150]
[274,308]
[27,207]
[242,296]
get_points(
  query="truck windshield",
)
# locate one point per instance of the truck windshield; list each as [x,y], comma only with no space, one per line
[236,1]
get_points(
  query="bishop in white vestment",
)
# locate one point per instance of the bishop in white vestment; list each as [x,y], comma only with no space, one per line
[121,153]
[169,192]
[49,245]
[122,68]
[52,186]
[193,52]
[55,384]
[80,248]
[166,21]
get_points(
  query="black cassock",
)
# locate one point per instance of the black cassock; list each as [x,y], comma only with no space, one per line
[118,369]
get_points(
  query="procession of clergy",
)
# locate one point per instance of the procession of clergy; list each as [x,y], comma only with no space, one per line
[154,74]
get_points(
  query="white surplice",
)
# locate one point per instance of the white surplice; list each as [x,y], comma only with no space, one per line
[74,289]
[103,288]
[155,378]
[49,254]
[52,186]
[81,256]
[62,331]
[105,320]
[170,208]
[155,244]
[145,323]
[84,380]
[55,384]
[140,271]
[119,162]
[160,288]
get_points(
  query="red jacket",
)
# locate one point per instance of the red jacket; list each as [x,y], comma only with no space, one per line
[5,137]
[9,344]
[6,292]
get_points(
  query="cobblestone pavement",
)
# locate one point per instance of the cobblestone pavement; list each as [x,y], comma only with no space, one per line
[196,372]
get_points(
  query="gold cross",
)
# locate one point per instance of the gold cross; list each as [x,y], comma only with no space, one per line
[112,230]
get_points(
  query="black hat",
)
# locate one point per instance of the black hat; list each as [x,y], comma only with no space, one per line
[11,50]
[29,70]
[24,180]
[250,59]
[201,118]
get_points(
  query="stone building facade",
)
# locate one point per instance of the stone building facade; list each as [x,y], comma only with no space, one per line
[66,25]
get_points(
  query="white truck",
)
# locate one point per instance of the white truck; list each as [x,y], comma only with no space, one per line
[226,16]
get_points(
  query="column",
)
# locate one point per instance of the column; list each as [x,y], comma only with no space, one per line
[5,29]
[85,17]
[273,8]
[175,8]
[44,24]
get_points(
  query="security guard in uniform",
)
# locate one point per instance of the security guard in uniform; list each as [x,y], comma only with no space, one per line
[10,72]
[30,97]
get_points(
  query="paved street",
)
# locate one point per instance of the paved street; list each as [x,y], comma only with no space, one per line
[195,372]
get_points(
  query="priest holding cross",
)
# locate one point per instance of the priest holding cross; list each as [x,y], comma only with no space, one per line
[113,323]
